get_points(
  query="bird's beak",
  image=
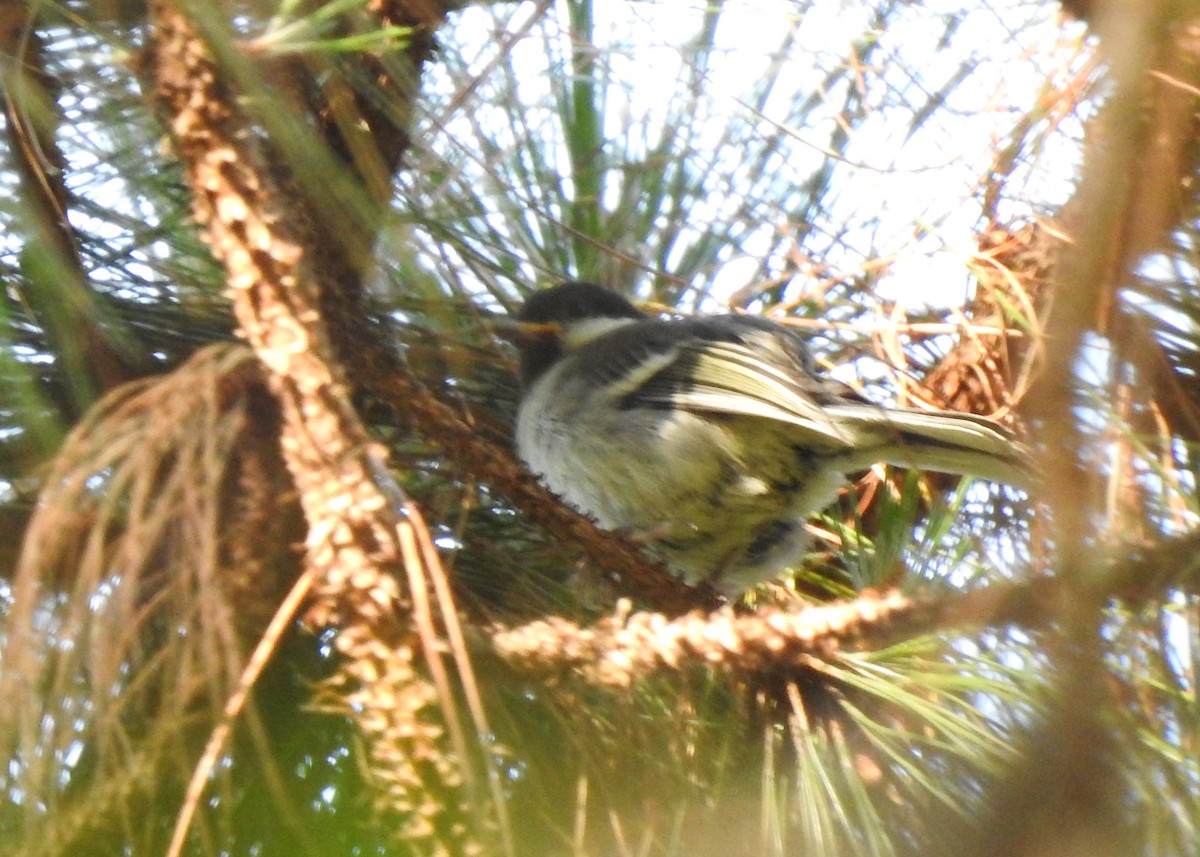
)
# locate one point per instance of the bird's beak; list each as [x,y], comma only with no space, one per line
[525,332]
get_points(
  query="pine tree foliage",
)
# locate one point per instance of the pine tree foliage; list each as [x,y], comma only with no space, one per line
[271,580]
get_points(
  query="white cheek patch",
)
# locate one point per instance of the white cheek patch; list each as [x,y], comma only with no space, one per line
[579,333]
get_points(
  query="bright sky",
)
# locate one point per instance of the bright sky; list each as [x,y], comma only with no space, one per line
[894,183]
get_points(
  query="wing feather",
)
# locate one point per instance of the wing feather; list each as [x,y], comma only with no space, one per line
[733,379]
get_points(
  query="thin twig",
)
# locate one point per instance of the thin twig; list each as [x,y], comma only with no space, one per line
[234,705]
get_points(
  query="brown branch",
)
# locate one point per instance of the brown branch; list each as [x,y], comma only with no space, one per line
[1066,786]
[773,643]
[770,644]
[359,540]
[1164,175]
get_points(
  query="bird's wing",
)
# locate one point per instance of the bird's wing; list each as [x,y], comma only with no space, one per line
[736,378]
[743,369]
[732,378]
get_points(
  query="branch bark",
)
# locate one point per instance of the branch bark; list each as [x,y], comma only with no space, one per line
[360,540]
[771,645]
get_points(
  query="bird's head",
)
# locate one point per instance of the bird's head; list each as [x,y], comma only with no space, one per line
[562,318]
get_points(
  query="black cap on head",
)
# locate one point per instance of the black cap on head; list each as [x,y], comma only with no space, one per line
[574,300]
[571,301]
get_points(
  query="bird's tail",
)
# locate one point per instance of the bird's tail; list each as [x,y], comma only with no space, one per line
[943,441]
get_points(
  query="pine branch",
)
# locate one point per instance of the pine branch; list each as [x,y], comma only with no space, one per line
[360,542]
[772,643]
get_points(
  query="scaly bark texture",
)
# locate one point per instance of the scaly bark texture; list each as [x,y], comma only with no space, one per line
[359,540]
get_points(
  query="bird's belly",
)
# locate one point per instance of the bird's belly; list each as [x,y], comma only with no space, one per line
[718,501]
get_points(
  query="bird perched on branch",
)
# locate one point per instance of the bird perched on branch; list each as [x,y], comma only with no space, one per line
[711,438]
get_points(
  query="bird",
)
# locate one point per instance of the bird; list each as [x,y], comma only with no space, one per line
[712,439]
